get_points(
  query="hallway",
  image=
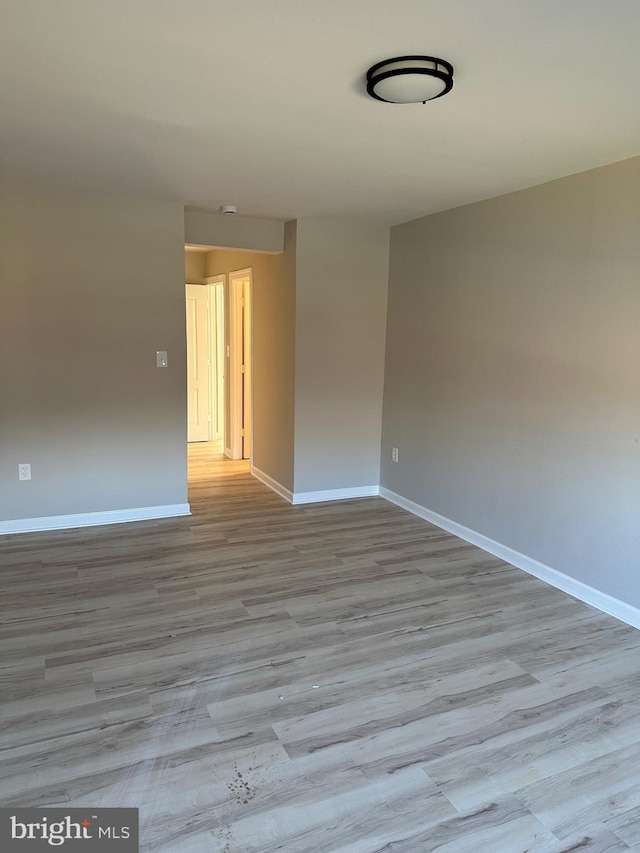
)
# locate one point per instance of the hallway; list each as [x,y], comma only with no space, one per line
[208,462]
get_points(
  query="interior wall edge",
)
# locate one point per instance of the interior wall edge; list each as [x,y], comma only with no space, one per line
[272,484]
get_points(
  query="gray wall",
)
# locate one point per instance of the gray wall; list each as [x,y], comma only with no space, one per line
[512,382]
[90,287]
[233,231]
[274,367]
[341,297]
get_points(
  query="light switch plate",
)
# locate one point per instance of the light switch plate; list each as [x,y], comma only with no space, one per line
[161,358]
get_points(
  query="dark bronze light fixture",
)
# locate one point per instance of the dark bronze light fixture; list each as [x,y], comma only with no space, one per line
[410,79]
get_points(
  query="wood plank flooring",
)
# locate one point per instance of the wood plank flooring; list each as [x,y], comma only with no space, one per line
[333,677]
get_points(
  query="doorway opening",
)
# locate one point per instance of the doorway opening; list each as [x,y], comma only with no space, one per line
[219,364]
[205,361]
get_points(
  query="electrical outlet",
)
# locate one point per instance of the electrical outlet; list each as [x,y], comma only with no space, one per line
[394,454]
[24,470]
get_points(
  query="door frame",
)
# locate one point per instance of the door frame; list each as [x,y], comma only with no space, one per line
[201,338]
[215,297]
[234,352]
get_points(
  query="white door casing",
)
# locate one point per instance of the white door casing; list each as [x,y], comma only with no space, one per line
[247,377]
[216,286]
[240,373]
[198,382]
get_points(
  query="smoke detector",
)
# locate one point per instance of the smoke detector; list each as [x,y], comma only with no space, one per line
[229,208]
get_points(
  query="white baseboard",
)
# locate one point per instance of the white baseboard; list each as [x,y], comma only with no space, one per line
[589,595]
[313,497]
[335,494]
[90,519]
[274,485]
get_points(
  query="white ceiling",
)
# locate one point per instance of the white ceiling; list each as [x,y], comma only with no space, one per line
[261,103]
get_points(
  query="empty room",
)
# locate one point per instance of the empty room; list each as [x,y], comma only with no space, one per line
[320,426]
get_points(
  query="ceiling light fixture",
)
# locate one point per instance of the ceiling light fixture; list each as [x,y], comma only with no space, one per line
[410,79]
[229,209]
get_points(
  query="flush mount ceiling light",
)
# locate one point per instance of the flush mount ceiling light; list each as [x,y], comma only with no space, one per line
[410,79]
[229,209]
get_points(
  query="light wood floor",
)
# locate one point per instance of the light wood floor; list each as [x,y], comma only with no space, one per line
[335,677]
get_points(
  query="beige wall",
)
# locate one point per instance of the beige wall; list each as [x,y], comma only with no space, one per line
[273,353]
[194,267]
[341,297]
[512,366]
[91,286]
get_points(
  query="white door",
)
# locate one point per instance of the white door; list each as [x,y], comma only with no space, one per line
[198,384]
